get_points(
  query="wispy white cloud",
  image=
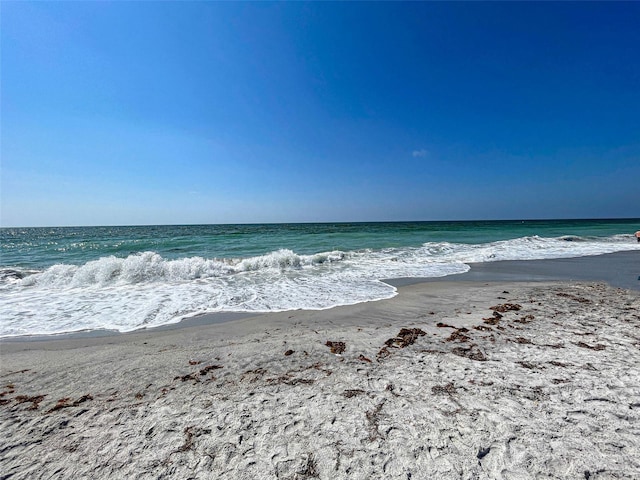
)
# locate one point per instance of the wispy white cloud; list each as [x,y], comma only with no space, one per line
[419,153]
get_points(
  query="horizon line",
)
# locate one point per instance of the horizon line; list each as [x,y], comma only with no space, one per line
[342,222]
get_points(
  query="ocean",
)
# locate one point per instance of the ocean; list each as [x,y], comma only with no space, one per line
[68,279]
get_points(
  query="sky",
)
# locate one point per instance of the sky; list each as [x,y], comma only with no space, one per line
[133,113]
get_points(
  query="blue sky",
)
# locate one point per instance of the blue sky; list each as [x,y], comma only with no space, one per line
[200,112]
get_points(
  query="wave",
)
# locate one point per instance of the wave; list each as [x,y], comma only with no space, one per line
[532,248]
[150,267]
[146,289]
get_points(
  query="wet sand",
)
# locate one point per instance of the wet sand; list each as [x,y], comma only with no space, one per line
[449,379]
[621,269]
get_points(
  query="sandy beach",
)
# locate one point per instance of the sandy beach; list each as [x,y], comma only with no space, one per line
[298,240]
[473,378]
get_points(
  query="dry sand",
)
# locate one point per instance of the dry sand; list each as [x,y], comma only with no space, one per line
[547,386]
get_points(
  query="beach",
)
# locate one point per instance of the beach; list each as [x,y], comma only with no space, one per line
[469,377]
[319,240]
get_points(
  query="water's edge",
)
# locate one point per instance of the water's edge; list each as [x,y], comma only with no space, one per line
[619,269]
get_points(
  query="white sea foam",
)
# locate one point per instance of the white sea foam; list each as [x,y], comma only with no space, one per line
[531,248]
[145,289]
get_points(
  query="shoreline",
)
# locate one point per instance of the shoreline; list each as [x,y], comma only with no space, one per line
[616,269]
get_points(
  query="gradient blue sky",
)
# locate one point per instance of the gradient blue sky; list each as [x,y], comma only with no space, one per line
[162,113]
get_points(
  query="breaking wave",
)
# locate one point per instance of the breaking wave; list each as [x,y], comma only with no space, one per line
[146,289]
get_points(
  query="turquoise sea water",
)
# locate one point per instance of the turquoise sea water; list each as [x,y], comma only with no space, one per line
[76,278]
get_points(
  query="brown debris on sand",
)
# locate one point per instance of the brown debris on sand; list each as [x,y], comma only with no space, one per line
[459,335]
[526,319]
[444,325]
[67,403]
[288,380]
[406,337]
[336,347]
[208,368]
[188,376]
[495,320]
[575,298]
[472,352]
[482,328]
[34,400]
[506,307]
[10,389]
